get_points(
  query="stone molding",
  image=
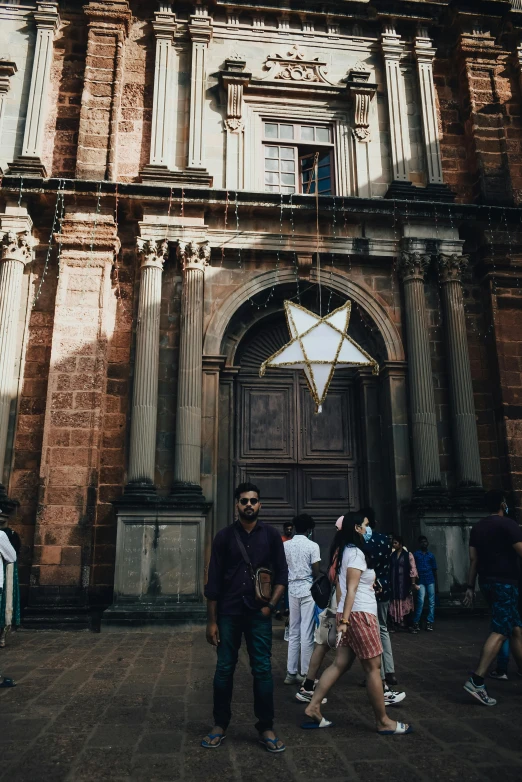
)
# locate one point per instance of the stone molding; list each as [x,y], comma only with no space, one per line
[451,266]
[193,255]
[234,79]
[362,92]
[392,48]
[413,265]
[7,69]
[153,252]
[424,55]
[294,66]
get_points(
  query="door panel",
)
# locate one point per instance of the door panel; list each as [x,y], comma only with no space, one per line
[278,489]
[266,426]
[325,490]
[329,435]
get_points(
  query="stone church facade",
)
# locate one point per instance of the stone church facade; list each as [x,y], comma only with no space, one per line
[172,173]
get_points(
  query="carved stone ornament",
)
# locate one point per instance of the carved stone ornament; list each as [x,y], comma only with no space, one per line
[295,66]
[362,93]
[193,254]
[18,246]
[413,265]
[451,266]
[153,252]
[234,79]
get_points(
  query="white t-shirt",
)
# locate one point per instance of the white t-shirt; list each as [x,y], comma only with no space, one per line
[365,599]
[301,554]
[7,552]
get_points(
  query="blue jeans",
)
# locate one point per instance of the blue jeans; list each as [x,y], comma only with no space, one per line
[257,630]
[503,657]
[421,594]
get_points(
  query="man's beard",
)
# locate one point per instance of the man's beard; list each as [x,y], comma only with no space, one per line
[250,517]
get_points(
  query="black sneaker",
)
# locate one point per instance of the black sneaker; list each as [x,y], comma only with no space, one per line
[429,626]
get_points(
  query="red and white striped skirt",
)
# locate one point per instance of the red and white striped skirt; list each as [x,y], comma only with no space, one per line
[362,635]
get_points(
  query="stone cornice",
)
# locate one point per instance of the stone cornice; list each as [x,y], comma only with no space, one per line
[7,69]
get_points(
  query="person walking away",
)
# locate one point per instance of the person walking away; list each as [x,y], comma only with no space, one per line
[378,547]
[495,544]
[7,555]
[358,627]
[302,557]
[10,598]
[403,575]
[283,609]
[233,612]
[501,669]
[428,583]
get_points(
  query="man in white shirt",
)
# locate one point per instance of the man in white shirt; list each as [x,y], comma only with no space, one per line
[302,557]
[8,554]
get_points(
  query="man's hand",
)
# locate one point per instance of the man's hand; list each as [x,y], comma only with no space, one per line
[416,586]
[469,597]
[212,633]
[266,611]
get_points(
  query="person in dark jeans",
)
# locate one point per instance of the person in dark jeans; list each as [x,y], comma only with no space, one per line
[495,545]
[233,612]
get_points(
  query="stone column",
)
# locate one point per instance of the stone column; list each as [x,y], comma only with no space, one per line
[165,96]
[29,163]
[424,55]
[465,435]
[187,463]
[200,30]
[16,247]
[412,268]
[7,70]
[145,397]
[392,50]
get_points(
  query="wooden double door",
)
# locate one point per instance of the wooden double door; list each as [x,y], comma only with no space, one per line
[302,462]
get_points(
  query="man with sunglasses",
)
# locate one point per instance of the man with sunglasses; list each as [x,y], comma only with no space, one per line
[233,611]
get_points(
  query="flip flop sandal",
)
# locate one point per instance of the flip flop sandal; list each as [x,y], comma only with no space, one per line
[401,729]
[7,683]
[273,742]
[220,736]
[317,725]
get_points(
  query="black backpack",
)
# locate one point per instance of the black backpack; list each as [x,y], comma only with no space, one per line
[321,591]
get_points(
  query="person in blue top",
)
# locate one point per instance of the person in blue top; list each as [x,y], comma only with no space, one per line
[427,569]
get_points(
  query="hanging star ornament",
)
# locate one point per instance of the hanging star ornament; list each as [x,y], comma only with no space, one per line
[318,346]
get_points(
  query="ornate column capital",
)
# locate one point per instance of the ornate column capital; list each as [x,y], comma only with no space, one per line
[18,246]
[413,265]
[153,252]
[200,28]
[46,15]
[424,49]
[451,266]
[362,92]
[193,255]
[391,43]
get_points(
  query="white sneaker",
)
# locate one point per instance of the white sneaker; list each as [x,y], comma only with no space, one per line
[393,698]
[287,633]
[305,696]
[294,678]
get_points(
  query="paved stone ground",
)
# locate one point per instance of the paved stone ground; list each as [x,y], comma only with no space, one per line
[133,705]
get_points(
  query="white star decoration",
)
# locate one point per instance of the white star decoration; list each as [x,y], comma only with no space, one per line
[318,345]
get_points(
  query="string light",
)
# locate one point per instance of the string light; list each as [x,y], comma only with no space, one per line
[225,232]
[59,196]
[296,265]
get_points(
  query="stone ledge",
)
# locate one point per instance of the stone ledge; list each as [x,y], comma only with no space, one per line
[140,614]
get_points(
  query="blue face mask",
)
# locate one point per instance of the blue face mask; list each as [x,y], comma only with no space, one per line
[367,534]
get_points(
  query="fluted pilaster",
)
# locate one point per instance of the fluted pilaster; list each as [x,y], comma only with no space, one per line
[412,268]
[16,248]
[465,435]
[187,468]
[145,398]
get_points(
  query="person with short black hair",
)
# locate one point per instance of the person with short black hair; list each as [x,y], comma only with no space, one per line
[428,583]
[288,531]
[303,557]
[234,610]
[495,544]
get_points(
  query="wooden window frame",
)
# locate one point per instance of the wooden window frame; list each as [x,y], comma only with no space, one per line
[299,144]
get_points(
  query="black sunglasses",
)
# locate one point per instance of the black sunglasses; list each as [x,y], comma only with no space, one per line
[246,500]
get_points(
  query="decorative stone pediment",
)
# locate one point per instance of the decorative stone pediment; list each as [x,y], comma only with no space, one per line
[294,66]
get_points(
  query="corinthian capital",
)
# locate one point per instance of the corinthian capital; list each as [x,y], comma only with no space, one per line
[451,266]
[194,255]
[413,265]
[153,252]
[17,246]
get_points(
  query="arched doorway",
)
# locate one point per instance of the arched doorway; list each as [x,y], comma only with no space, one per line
[268,434]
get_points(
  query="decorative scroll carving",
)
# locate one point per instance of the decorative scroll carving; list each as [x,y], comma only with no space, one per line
[294,65]
[413,265]
[18,246]
[194,254]
[362,93]
[234,79]
[451,266]
[153,252]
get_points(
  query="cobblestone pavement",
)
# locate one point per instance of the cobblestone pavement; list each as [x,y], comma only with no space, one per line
[133,705]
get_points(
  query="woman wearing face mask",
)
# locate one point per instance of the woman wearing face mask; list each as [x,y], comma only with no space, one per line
[303,558]
[403,577]
[358,627]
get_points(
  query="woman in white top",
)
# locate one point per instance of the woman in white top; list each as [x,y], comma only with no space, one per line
[357,625]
